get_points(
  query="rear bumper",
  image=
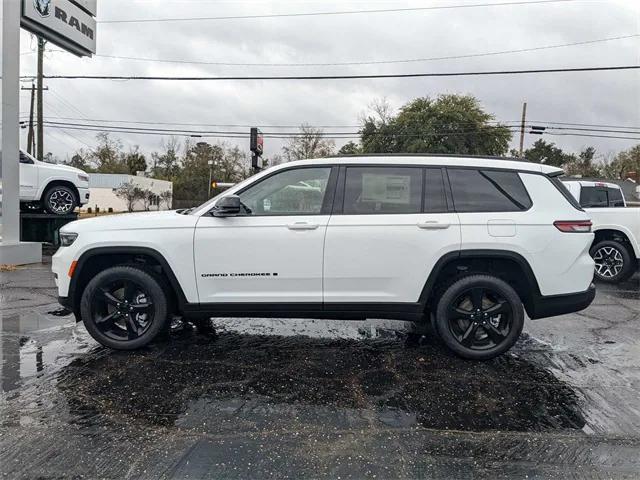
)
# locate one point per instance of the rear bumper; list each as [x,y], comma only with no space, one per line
[553,305]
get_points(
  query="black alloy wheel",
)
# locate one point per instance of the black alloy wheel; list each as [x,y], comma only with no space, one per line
[122,310]
[124,307]
[479,317]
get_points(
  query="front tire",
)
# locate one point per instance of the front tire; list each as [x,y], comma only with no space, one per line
[613,261]
[124,307]
[60,200]
[479,317]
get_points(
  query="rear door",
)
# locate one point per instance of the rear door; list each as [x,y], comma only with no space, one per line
[389,227]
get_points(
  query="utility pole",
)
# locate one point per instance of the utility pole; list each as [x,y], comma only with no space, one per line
[40,155]
[30,136]
[524,116]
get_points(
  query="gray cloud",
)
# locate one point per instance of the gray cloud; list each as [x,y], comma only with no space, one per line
[598,97]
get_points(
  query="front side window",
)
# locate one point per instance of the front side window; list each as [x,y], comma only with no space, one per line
[380,190]
[591,197]
[297,191]
[488,190]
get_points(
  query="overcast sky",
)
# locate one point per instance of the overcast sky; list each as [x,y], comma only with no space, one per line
[594,97]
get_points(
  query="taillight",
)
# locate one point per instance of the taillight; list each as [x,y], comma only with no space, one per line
[573,226]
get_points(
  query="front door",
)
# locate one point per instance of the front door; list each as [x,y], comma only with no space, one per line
[28,178]
[393,225]
[273,251]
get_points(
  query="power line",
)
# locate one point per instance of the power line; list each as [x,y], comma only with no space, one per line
[337,77]
[284,135]
[330,13]
[529,123]
[371,62]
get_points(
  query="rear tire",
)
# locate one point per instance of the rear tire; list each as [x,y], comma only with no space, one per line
[479,317]
[614,263]
[125,307]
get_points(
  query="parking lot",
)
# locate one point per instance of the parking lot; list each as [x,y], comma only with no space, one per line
[291,398]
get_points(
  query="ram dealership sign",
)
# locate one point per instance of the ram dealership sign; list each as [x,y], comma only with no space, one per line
[70,24]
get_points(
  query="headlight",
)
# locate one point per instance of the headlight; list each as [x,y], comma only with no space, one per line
[83,178]
[67,238]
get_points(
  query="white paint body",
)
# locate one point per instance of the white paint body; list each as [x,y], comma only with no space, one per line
[625,220]
[344,258]
[36,177]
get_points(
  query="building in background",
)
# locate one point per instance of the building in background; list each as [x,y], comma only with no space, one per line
[103,187]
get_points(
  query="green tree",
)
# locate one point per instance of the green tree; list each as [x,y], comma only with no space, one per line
[310,143]
[192,181]
[623,163]
[448,124]
[543,152]
[350,148]
[584,164]
[80,160]
[135,161]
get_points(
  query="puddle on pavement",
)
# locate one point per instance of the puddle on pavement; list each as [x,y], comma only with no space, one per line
[363,376]
[278,381]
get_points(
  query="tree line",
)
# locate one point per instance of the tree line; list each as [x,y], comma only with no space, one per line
[446,124]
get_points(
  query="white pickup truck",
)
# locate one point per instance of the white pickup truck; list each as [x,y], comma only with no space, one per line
[58,189]
[616,247]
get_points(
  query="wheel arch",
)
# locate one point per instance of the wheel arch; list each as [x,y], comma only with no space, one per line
[505,264]
[59,182]
[616,234]
[99,258]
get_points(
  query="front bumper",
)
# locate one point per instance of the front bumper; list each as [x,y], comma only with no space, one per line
[553,305]
[83,193]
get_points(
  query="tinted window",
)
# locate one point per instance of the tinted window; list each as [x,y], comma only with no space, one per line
[292,192]
[434,194]
[487,191]
[615,197]
[383,190]
[24,158]
[593,197]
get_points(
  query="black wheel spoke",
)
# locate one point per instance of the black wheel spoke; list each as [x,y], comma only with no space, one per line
[457,312]
[109,297]
[469,335]
[494,334]
[133,328]
[141,307]
[109,318]
[477,294]
[129,291]
[500,307]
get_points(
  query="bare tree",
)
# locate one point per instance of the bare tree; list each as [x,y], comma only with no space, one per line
[165,197]
[309,144]
[130,193]
[148,198]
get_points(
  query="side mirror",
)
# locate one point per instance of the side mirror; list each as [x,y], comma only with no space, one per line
[227,206]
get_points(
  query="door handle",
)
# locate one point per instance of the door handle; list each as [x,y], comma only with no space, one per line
[302,226]
[433,225]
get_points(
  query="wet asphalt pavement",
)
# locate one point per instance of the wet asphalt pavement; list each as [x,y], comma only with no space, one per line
[300,398]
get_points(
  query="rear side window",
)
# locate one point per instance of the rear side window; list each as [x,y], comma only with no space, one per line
[615,197]
[488,190]
[593,197]
[380,190]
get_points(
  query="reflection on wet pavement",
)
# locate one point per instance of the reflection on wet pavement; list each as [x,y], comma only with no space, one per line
[299,398]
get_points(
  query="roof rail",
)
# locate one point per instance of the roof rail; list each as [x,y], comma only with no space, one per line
[453,155]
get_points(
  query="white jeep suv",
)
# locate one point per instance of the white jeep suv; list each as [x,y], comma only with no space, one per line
[467,243]
[59,189]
